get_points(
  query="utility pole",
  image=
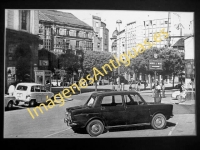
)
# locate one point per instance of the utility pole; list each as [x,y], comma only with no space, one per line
[168,41]
[119,22]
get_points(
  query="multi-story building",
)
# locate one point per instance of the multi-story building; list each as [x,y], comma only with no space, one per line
[101,34]
[137,32]
[61,31]
[114,42]
[21,35]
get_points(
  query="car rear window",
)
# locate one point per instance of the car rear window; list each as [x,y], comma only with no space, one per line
[22,88]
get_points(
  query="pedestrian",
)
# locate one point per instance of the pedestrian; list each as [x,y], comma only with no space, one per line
[11,89]
[138,85]
[153,90]
[145,84]
[158,92]
[163,88]
[182,93]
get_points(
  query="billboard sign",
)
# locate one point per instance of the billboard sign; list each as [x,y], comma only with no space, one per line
[155,65]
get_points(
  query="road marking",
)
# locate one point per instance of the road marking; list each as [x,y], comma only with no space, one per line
[56,133]
[170,133]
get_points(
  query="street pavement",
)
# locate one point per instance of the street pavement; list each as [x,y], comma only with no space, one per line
[50,124]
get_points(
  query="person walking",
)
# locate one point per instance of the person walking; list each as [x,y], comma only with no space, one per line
[182,94]
[11,89]
[138,85]
[153,90]
[158,93]
[163,88]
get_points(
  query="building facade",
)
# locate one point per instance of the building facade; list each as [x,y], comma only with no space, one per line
[114,42]
[101,35]
[61,31]
[21,35]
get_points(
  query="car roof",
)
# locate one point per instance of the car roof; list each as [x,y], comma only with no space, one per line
[102,93]
[28,84]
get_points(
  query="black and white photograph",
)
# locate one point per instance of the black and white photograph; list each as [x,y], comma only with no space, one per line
[94,73]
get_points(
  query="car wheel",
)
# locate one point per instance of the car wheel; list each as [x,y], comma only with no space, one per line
[16,103]
[10,105]
[158,121]
[95,128]
[32,103]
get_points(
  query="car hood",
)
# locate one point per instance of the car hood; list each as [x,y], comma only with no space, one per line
[76,108]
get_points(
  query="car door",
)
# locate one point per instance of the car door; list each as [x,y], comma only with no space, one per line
[43,94]
[136,109]
[37,93]
[113,111]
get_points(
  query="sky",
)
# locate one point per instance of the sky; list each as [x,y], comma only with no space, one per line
[126,16]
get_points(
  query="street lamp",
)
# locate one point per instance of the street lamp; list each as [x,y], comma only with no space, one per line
[119,22]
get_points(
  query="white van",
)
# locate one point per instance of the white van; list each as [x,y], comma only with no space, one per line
[31,93]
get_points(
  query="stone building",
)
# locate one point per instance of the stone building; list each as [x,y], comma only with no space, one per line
[21,36]
[101,34]
[61,31]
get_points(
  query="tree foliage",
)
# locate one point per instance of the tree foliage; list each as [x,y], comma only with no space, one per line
[95,59]
[23,60]
[173,61]
[70,61]
[44,54]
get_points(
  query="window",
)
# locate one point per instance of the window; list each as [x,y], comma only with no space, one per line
[137,98]
[107,100]
[67,32]
[77,33]
[24,19]
[22,88]
[77,43]
[115,100]
[91,101]
[97,24]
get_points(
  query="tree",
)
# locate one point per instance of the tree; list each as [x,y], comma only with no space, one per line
[95,59]
[71,62]
[173,62]
[44,54]
[23,57]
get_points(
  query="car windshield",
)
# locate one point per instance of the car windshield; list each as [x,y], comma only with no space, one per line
[22,88]
[90,101]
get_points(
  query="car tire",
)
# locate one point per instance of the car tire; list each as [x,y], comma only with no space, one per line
[32,103]
[158,122]
[10,105]
[95,128]
[16,103]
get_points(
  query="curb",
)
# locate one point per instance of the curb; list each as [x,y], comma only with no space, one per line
[183,103]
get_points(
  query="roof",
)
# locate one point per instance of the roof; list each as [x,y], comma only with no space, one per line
[180,42]
[28,84]
[113,93]
[61,17]
[114,35]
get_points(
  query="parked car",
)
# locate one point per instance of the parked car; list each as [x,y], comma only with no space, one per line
[55,83]
[175,95]
[31,93]
[177,86]
[9,101]
[104,110]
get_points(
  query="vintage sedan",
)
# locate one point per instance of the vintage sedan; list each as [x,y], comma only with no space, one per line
[9,101]
[31,93]
[104,110]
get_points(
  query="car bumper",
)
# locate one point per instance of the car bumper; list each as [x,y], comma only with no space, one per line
[69,122]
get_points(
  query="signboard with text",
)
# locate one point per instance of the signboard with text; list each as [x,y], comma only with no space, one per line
[155,65]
